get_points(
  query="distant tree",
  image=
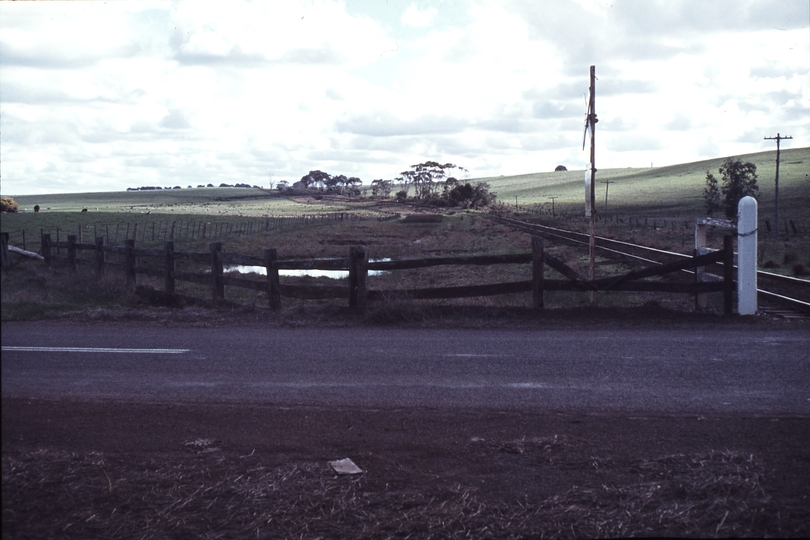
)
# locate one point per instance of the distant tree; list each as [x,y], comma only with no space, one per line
[381,188]
[8,205]
[315,179]
[425,177]
[282,185]
[560,168]
[739,180]
[335,184]
[468,196]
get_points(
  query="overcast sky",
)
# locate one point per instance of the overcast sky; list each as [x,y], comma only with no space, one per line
[99,96]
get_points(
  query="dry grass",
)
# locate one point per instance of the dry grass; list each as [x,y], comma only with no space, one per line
[207,494]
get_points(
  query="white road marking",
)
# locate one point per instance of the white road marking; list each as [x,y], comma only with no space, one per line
[475,355]
[96,350]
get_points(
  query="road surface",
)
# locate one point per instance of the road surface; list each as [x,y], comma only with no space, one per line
[735,369]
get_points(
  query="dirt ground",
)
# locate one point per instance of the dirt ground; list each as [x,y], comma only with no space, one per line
[157,470]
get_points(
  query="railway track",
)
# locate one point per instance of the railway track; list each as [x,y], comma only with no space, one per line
[782,296]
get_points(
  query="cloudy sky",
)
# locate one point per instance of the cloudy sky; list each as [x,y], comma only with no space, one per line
[99,96]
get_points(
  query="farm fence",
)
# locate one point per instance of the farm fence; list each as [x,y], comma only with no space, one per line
[162,230]
[787,227]
[358,265]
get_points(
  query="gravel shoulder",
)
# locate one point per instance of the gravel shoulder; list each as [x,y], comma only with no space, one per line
[154,470]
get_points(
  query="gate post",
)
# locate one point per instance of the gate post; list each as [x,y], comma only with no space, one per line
[217,287]
[358,270]
[701,300]
[747,256]
[273,294]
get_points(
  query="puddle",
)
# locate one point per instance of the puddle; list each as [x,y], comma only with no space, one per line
[333,274]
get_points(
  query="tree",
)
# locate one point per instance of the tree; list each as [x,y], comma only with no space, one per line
[8,205]
[315,179]
[425,177]
[739,180]
[711,194]
[381,188]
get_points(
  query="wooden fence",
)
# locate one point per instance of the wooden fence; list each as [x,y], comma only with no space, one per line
[358,266]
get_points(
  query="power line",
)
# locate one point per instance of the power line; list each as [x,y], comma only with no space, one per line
[778,139]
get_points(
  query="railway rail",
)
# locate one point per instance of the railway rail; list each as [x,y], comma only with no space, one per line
[780,295]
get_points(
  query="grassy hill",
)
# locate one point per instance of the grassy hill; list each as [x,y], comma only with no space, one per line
[676,190]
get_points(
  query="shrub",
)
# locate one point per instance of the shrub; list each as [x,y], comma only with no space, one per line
[8,205]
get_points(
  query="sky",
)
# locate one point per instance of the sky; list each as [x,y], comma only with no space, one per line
[101,96]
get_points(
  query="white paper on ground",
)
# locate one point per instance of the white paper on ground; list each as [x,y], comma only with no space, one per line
[345,466]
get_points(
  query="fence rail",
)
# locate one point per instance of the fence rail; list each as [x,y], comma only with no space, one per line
[358,266]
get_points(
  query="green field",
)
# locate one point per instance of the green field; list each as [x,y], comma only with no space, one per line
[675,191]
[666,200]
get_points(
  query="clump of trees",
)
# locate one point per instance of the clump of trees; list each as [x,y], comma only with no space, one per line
[432,186]
[339,184]
[8,205]
[738,180]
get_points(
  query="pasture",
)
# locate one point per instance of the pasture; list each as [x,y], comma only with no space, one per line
[655,207]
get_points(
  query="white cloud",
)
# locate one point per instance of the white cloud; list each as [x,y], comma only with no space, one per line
[98,96]
[419,18]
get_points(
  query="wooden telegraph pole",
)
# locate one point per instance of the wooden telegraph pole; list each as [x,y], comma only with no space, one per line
[590,211]
[778,139]
[607,184]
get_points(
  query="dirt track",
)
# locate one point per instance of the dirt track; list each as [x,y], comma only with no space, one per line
[112,470]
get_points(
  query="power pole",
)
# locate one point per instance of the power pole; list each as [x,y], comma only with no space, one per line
[778,139]
[591,123]
[607,184]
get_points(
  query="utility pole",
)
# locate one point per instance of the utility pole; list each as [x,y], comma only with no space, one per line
[607,184]
[778,139]
[591,123]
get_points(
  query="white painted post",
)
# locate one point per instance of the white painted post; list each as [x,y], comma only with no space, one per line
[701,300]
[747,256]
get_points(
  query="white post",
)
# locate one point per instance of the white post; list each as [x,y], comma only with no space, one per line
[701,300]
[747,256]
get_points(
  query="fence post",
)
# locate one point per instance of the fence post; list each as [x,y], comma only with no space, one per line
[71,251]
[5,262]
[728,274]
[26,248]
[100,259]
[538,261]
[701,300]
[747,256]
[46,248]
[217,287]
[169,267]
[273,294]
[171,236]
[358,271]
[129,261]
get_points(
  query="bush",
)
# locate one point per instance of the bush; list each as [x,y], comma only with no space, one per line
[8,205]
[739,180]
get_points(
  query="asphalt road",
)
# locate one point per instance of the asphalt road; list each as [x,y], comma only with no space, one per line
[736,369]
